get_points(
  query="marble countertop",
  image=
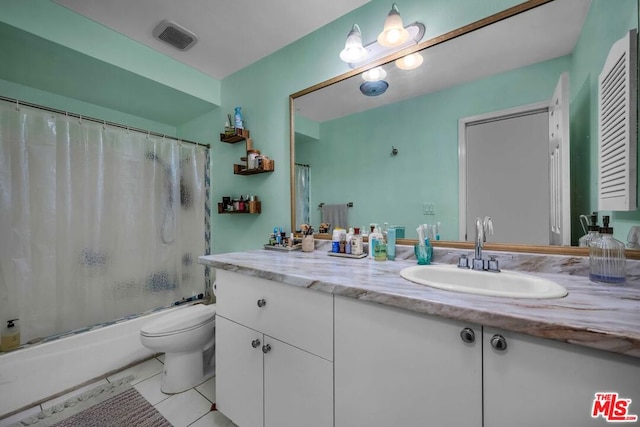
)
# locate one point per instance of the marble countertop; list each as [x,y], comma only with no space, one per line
[593,315]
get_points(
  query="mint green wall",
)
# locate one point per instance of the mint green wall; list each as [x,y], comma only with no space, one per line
[52,100]
[607,22]
[263,88]
[353,150]
[60,25]
[306,127]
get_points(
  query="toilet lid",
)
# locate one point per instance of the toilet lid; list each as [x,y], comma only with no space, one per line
[180,320]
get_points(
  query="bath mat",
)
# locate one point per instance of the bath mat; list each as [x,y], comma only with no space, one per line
[110,405]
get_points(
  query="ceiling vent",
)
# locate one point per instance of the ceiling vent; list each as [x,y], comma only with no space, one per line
[175,35]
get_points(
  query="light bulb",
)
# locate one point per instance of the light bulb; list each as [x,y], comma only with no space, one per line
[353,50]
[374,74]
[410,61]
[393,34]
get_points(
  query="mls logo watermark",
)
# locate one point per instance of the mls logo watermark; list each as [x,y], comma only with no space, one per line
[612,408]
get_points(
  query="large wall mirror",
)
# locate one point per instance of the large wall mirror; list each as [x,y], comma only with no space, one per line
[414,154]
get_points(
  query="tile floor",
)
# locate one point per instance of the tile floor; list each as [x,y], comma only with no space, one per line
[190,408]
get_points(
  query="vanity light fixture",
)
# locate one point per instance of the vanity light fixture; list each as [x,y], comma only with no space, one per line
[409,62]
[393,34]
[374,74]
[353,50]
[393,38]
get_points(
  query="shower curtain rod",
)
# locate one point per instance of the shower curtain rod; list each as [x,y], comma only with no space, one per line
[92,119]
[302,164]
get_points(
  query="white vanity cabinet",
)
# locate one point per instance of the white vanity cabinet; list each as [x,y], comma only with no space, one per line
[537,382]
[274,353]
[394,367]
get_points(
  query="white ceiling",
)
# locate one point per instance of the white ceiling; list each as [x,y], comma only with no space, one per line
[232,34]
[543,33]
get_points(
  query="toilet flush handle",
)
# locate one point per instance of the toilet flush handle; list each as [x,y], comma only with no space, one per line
[262,302]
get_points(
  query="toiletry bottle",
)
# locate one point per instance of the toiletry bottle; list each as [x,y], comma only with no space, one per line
[391,244]
[380,249]
[335,241]
[238,119]
[347,248]
[606,257]
[356,243]
[10,337]
[593,232]
[373,236]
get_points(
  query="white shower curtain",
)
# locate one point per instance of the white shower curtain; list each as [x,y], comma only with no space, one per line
[303,194]
[96,222]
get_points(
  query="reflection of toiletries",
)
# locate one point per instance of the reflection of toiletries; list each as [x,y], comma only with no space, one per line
[238,119]
[391,244]
[593,231]
[10,338]
[606,257]
[437,231]
[276,231]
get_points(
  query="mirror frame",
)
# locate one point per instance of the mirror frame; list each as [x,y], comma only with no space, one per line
[491,19]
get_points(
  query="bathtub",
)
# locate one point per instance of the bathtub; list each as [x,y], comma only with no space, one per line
[33,374]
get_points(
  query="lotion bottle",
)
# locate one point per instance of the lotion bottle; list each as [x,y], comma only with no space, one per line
[10,338]
[374,235]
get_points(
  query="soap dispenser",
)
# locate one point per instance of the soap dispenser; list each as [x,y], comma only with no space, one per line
[10,337]
[606,257]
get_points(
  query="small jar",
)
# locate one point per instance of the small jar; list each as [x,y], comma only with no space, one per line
[252,159]
[307,243]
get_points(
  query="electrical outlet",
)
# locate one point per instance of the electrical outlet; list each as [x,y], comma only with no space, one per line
[428,208]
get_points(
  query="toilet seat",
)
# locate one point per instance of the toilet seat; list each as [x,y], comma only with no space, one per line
[182,320]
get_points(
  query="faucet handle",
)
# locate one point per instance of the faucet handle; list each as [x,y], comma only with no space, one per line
[492,264]
[463,261]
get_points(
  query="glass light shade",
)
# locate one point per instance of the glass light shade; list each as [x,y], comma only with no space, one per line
[410,62]
[353,50]
[374,74]
[393,34]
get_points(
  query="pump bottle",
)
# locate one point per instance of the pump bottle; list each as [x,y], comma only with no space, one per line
[10,337]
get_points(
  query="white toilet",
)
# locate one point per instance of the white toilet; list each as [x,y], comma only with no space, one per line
[187,337]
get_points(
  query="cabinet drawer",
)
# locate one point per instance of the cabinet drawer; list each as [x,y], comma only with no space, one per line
[298,316]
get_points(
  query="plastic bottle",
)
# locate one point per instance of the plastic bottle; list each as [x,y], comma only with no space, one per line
[606,257]
[10,337]
[593,232]
[375,235]
[356,243]
[238,119]
[391,244]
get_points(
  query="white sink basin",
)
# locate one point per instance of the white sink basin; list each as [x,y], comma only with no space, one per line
[503,284]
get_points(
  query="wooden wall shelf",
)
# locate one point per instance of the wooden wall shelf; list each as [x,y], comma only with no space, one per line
[231,139]
[241,170]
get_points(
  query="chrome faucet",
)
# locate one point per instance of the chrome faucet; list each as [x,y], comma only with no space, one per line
[483,227]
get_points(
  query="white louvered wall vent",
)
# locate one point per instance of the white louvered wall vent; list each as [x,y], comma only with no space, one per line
[617,127]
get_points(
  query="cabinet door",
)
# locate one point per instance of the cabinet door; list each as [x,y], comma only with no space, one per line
[298,387]
[299,316]
[398,368]
[239,392]
[536,382]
